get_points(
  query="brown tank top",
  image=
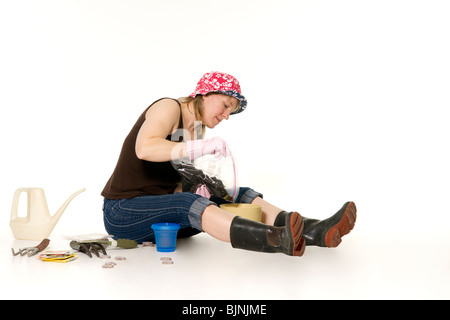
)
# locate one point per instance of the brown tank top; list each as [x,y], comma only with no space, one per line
[133,177]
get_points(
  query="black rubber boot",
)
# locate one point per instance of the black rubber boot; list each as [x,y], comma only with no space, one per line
[256,236]
[328,232]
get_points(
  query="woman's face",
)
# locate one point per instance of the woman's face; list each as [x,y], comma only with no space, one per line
[217,107]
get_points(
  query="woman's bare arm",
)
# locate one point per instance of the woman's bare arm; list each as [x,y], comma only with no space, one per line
[161,120]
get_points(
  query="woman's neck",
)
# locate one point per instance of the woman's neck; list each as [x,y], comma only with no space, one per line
[189,119]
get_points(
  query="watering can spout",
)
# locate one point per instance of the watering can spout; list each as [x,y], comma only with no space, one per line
[57,215]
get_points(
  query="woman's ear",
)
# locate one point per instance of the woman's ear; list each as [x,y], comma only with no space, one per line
[203,99]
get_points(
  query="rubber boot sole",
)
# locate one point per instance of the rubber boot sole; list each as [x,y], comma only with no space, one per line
[296,230]
[345,224]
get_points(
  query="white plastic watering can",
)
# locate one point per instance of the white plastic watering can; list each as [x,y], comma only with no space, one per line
[38,224]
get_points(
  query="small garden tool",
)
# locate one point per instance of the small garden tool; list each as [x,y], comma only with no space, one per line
[31,251]
[94,246]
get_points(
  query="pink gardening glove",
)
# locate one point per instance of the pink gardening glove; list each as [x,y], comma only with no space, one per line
[203,191]
[216,146]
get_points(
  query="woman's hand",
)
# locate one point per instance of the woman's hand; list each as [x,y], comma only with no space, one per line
[198,148]
[203,191]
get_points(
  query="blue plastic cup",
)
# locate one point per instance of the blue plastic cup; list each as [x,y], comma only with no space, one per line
[166,236]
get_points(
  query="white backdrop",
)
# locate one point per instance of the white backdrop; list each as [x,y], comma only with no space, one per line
[347,99]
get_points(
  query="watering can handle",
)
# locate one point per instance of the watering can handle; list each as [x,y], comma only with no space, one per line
[15,204]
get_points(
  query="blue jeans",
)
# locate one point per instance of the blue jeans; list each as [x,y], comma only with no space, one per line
[132,218]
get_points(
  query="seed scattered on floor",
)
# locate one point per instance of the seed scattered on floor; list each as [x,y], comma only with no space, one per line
[166,260]
[148,244]
[120,258]
[107,266]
